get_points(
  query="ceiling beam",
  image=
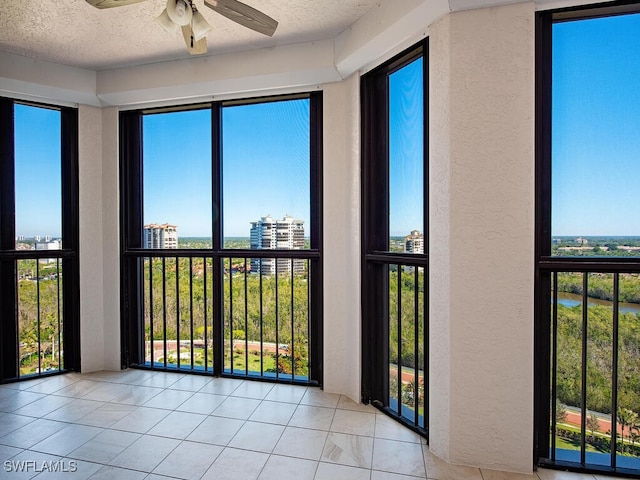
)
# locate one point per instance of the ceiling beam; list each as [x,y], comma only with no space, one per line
[35,80]
[256,71]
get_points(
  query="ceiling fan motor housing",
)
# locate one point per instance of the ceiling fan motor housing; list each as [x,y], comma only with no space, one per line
[179,11]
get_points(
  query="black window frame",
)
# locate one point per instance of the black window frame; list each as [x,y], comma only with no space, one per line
[131,236]
[376,259]
[68,254]
[546,265]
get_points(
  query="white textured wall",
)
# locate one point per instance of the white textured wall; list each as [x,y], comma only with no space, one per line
[111,239]
[482,236]
[99,250]
[439,237]
[91,241]
[341,255]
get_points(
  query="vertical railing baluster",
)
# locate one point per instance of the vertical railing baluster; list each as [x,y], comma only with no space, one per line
[399,335]
[164,309]
[177,312]
[416,350]
[191,308]
[151,331]
[205,316]
[308,320]
[554,366]
[39,319]
[291,344]
[231,311]
[425,346]
[583,395]
[277,321]
[60,324]
[261,322]
[16,265]
[16,280]
[246,321]
[614,372]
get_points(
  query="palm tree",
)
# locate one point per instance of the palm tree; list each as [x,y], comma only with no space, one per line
[626,418]
[634,431]
[634,436]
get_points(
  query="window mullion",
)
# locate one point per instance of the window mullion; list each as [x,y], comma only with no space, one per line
[8,328]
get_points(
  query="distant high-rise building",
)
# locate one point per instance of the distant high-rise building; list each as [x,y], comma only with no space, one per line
[160,236]
[270,234]
[48,245]
[414,243]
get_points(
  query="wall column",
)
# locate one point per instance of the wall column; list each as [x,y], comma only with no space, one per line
[99,239]
[111,237]
[341,224]
[91,238]
[482,237]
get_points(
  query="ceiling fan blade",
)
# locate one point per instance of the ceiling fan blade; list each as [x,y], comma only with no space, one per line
[195,47]
[244,15]
[112,3]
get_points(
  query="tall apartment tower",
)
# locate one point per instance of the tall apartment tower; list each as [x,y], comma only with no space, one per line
[160,236]
[48,245]
[414,243]
[270,234]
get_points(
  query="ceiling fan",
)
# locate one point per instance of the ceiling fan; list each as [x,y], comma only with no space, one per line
[183,14]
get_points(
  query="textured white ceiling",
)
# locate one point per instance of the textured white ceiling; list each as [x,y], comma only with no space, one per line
[71,32]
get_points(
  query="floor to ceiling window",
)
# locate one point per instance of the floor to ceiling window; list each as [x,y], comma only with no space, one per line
[39,307]
[588,239]
[395,238]
[221,261]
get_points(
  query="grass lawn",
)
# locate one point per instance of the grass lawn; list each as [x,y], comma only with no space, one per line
[565,444]
[268,362]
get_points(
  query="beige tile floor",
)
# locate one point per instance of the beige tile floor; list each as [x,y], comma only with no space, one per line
[151,425]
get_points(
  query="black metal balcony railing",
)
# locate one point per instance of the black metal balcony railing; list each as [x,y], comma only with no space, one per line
[261,314]
[266,319]
[407,343]
[40,322]
[177,312]
[595,370]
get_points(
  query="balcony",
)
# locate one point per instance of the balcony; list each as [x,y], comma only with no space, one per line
[261,315]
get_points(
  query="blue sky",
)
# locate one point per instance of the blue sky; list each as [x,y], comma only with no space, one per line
[265,163]
[596,127]
[596,146]
[406,150]
[177,171]
[37,171]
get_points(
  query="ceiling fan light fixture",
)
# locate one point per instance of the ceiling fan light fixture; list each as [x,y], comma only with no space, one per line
[199,26]
[165,20]
[184,14]
[179,12]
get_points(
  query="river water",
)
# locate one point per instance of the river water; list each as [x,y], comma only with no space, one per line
[571,300]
